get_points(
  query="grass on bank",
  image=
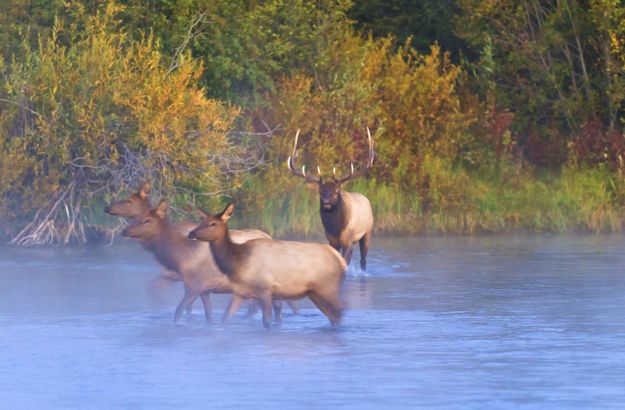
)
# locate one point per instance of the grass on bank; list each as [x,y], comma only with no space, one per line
[502,200]
[496,201]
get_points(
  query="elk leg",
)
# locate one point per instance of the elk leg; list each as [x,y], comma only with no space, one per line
[364,249]
[347,253]
[233,306]
[277,309]
[331,295]
[335,304]
[252,307]
[325,307]
[158,283]
[208,306]
[265,302]
[293,306]
[188,297]
[190,306]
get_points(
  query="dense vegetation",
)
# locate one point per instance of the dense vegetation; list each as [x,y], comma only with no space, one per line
[487,115]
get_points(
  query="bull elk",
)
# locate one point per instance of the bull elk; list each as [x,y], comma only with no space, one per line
[267,269]
[346,216]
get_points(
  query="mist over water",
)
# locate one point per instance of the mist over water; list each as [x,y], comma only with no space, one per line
[467,322]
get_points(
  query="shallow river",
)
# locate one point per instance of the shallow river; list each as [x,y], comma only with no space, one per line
[469,323]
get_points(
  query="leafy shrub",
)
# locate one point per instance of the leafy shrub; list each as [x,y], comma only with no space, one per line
[84,120]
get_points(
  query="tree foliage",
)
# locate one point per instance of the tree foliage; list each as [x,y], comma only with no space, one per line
[423,22]
[83,120]
[204,96]
[552,64]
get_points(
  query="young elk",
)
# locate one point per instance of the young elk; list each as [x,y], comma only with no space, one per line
[190,260]
[346,216]
[135,207]
[265,268]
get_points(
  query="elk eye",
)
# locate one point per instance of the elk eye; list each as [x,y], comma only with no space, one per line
[212,224]
[147,220]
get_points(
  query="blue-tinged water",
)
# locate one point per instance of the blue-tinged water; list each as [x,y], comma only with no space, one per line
[502,322]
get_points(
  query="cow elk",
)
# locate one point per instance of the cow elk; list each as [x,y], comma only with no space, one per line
[266,269]
[191,261]
[346,216]
[135,207]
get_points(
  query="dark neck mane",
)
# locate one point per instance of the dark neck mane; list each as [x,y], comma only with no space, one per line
[335,220]
[226,253]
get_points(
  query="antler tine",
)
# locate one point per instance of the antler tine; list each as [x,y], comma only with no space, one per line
[369,163]
[294,154]
[291,166]
[371,149]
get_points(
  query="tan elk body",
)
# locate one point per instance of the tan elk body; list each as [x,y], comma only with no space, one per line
[265,268]
[135,207]
[191,260]
[347,217]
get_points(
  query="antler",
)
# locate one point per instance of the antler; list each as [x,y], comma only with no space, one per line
[370,157]
[301,173]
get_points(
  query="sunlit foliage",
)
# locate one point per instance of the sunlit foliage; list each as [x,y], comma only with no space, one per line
[83,119]
[509,116]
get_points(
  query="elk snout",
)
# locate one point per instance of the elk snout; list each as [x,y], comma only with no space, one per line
[192,235]
[326,204]
[108,210]
[128,232]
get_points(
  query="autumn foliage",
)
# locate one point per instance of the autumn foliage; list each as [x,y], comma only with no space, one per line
[90,111]
[487,129]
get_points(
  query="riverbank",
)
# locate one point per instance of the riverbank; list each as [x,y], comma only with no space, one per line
[574,200]
[458,203]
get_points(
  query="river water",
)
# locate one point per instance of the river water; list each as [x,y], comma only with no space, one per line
[470,323]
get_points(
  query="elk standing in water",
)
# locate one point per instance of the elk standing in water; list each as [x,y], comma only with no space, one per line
[192,260]
[346,216]
[135,207]
[264,269]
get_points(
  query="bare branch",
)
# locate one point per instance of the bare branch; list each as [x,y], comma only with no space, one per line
[195,29]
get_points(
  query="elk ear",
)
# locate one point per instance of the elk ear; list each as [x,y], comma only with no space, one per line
[161,209]
[227,212]
[144,190]
[314,186]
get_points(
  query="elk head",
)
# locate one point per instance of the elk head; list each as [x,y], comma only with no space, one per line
[153,224]
[136,206]
[329,190]
[214,226]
